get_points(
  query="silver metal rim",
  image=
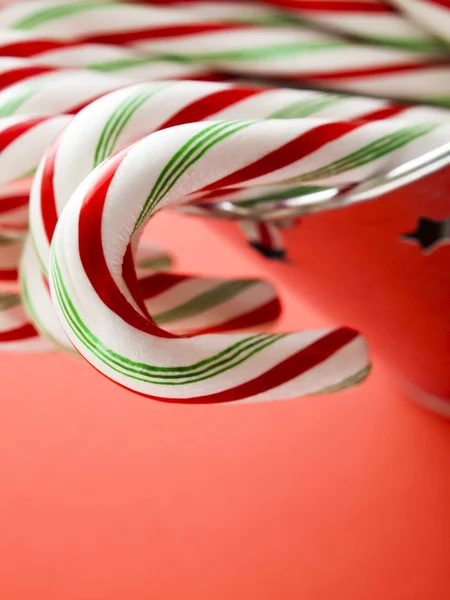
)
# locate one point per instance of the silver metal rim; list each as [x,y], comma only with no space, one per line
[329,198]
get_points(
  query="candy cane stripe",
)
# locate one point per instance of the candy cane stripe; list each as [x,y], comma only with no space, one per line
[288,369]
[56,12]
[294,150]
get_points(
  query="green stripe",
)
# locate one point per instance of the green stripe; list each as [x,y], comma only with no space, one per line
[200,144]
[360,157]
[35,318]
[373,151]
[440,101]
[212,139]
[305,108]
[56,12]
[350,381]
[179,155]
[20,96]
[416,44]
[224,360]
[8,301]
[29,173]
[118,120]
[210,299]
[259,53]
[123,63]
[276,18]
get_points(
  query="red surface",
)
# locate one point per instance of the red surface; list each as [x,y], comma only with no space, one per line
[106,495]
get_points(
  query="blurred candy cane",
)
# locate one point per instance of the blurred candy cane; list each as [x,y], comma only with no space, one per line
[14,199]
[372,20]
[291,53]
[17,334]
[432,15]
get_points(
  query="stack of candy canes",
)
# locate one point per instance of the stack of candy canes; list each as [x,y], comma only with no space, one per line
[112,111]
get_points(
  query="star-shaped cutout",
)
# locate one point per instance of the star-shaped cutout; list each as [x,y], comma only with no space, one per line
[430,233]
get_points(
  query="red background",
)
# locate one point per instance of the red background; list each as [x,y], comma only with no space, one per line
[106,495]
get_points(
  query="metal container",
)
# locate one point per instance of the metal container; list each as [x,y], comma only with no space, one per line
[376,258]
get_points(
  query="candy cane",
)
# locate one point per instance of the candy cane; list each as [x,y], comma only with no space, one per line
[257,306]
[181,303]
[371,20]
[10,251]
[65,55]
[240,303]
[205,368]
[18,331]
[23,141]
[287,53]
[189,158]
[17,334]
[35,134]
[433,15]
[89,272]
[14,200]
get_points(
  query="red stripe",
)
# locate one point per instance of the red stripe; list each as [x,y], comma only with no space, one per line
[153,285]
[350,5]
[443,3]
[92,256]
[264,314]
[8,203]
[333,5]
[25,49]
[16,75]
[29,48]
[341,5]
[9,275]
[371,71]
[204,107]
[9,135]
[383,113]
[288,369]
[156,284]
[21,333]
[156,33]
[47,192]
[297,364]
[46,283]
[11,227]
[298,148]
